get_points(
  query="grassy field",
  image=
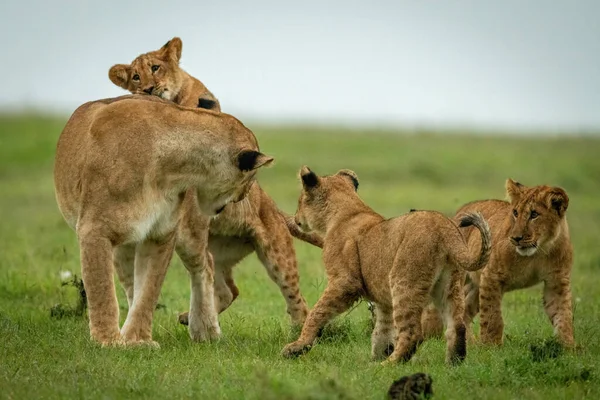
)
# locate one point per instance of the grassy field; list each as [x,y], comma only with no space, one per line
[41,357]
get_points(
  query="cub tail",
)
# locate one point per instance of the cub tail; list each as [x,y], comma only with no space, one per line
[464,258]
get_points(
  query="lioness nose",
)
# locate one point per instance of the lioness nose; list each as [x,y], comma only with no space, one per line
[149,90]
[516,239]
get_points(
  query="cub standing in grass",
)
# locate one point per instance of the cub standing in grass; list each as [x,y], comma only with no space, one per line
[255,224]
[120,183]
[399,264]
[531,245]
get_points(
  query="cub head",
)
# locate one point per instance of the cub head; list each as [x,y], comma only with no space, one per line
[537,216]
[321,196]
[157,73]
[212,201]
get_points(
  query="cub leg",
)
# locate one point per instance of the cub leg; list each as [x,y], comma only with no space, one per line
[124,257]
[96,254]
[152,259]
[431,322]
[334,301]
[453,308]
[275,249]
[409,298]
[471,293]
[490,303]
[382,339]
[557,304]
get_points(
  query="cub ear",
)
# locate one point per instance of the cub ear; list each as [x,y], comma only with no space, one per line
[119,75]
[172,49]
[350,174]
[513,190]
[309,178]
[557,200]
[248,160]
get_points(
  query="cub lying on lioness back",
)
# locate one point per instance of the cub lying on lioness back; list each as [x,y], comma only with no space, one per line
[120,182]
[531,244]
[399,264]
[158,73]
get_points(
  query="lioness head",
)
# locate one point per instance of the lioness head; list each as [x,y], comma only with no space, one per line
[536,216]
[157,73]
[213,202]
[321,195]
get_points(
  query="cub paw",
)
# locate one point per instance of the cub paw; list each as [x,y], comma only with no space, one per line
[295,349]
[184,318]
[204,330]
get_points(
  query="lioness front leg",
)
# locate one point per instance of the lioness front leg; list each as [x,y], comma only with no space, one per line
[557,304]
[97,273]
[151,263]
[490,304]
[334,301]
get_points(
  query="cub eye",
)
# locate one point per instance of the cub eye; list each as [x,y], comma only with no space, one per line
[515,213]
[533,215]
[136,77]
[155,68]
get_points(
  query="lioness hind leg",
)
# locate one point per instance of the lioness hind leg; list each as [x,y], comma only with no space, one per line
[275,249]
[124,258]
[97,273]
[152,259]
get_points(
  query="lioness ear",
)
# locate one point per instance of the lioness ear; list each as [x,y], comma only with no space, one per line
[172,49]
[309,178]
[350,174]
[248,160]
[119,75]
[513,190]
[557,200]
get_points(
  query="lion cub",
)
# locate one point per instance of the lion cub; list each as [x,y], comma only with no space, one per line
[120,182]
[531,245]
[399,264]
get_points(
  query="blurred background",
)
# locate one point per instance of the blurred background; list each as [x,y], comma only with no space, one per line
[509,66]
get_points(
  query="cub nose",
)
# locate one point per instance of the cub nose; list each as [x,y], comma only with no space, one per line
[516,239]
[149,90]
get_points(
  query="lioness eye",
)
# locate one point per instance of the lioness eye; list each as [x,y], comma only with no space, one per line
[515,213]
[136,77]
[533,215]
[155,68]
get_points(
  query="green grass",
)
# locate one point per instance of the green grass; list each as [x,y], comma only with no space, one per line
[42,357]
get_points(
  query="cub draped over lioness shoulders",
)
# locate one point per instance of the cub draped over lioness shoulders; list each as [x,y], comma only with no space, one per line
[158,73]
[531,244]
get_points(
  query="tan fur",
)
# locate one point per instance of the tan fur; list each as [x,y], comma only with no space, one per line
[120,183]
[526,251]
[255,224]
[158,73]
[399,264]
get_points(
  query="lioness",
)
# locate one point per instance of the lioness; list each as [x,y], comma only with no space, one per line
[120,183]
[399,264]
[255,224]
[531,245]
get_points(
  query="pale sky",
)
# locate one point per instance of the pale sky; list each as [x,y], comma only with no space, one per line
[499,64]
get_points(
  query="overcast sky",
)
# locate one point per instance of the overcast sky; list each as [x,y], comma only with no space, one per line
[517,64]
